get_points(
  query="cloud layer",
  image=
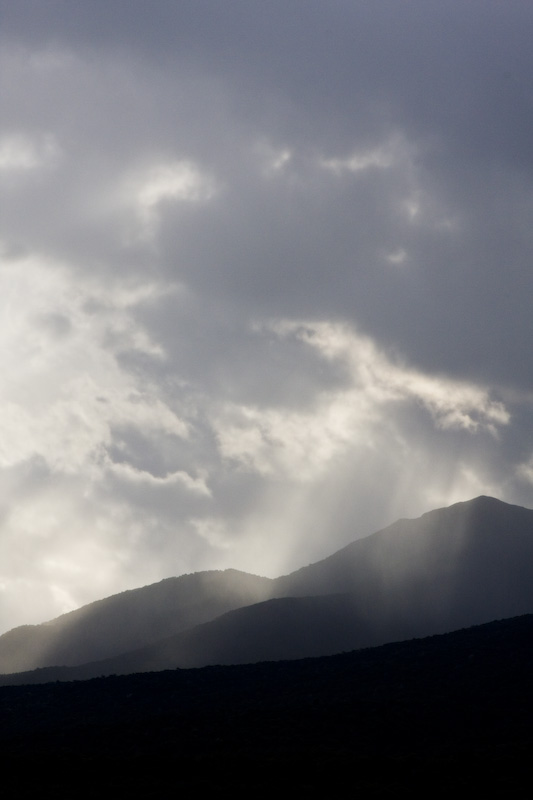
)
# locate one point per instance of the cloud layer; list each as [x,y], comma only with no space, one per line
[265,277]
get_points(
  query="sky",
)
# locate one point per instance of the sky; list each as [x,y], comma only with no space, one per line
[266,272]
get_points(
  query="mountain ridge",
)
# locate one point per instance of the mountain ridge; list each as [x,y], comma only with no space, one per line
[463,565]
[122,621]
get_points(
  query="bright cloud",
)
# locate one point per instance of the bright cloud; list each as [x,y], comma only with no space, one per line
[393,152]
[178,181]
[20,153]
[63,389]
[302,444]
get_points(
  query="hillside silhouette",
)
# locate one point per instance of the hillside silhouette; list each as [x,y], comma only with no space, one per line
[447,713]
[130,619]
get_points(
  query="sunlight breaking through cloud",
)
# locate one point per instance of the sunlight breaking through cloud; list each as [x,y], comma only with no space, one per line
[63,389]
[265,285]
[178,181]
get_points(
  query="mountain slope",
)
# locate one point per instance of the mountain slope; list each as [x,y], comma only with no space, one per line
[424,717]
[274,630]
[130,619]
[451,568]
[465,564]
[278,629]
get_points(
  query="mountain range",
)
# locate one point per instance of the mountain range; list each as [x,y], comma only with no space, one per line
[451,568]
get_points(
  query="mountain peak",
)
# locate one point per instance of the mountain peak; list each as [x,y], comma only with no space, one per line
[468,563]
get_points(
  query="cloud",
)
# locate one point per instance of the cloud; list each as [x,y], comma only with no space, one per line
[179,478]
[302,444]
[19,153]
[378,157]
[180,181]
[63,388]
[265,281]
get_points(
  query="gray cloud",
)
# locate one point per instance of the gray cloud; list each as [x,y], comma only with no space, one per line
[265,281]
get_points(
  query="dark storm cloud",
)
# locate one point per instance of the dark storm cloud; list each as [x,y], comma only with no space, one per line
[328,80]
[266,279]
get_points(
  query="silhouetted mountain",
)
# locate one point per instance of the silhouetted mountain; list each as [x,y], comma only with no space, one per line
[451,568]
[456,566]
[130,619]
[431,716]
[284,628]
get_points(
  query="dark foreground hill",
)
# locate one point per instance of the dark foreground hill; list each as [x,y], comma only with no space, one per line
[451,568]
[451,713]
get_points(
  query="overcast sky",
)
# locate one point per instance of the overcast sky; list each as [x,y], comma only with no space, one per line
[266,277]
